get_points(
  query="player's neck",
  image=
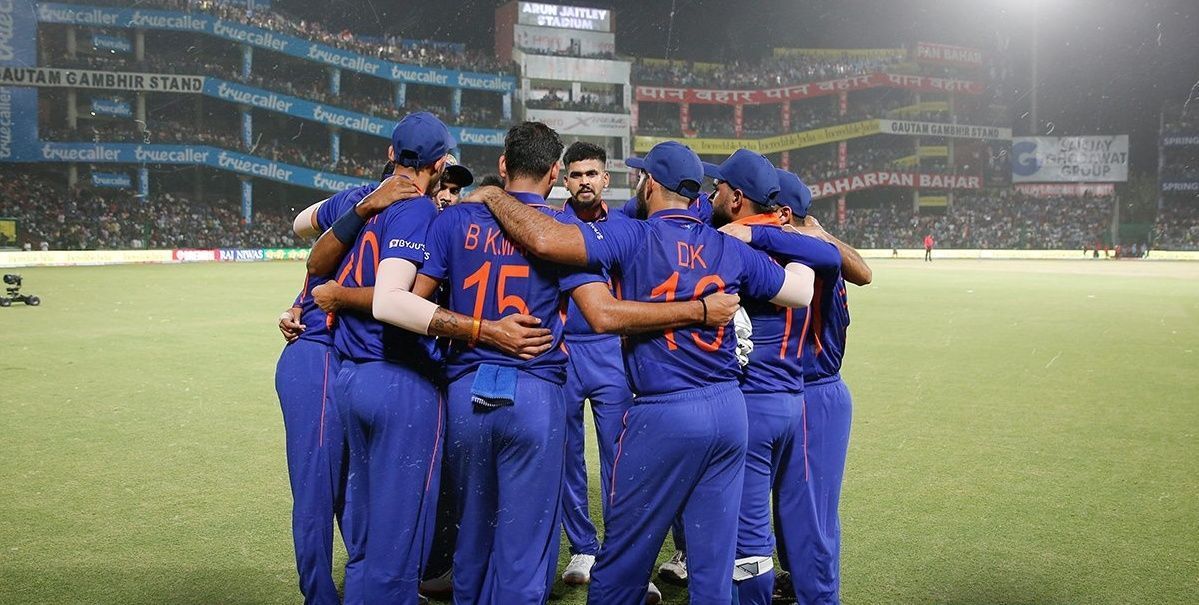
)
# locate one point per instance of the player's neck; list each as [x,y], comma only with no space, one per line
[522,185]
[656,205]
[420,179]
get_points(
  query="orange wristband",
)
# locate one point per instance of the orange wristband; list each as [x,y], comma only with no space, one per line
[476,328]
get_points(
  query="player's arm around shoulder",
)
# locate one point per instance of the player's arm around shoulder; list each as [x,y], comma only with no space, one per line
[609,315]
[764,279]
[854,268]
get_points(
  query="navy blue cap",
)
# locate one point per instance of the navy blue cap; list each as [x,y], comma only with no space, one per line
[674,166]
[420,139]
[750,172]
[794,193]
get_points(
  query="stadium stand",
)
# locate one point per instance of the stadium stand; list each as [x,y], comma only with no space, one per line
[1177,227]
[415,52]
[55,217]
[982,221]
[767,73]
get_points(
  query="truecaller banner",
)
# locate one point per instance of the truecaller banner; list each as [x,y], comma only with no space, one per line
[221,159]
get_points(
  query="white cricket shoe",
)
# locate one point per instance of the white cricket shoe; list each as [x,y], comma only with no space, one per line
[675,570]
[578,571]
[653,596]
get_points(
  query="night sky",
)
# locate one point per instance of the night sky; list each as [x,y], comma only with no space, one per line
[1106,66]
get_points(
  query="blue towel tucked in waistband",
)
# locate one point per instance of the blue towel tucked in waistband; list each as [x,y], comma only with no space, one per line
[494,386]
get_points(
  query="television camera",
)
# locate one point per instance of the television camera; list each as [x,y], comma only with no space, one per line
[12,282]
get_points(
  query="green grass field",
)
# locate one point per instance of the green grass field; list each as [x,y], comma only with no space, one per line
[1023,433]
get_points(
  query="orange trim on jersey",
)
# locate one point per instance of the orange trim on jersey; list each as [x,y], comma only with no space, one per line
[787,334]
[815,313]
[803,333]
[306,290]
[768,219]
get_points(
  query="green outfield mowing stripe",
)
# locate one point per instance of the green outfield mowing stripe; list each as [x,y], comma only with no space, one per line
[1024,432]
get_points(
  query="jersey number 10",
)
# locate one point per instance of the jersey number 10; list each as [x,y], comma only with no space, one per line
[667,289]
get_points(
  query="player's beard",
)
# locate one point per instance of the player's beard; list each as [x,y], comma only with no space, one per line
[586,203]
[642,203]
[720,215]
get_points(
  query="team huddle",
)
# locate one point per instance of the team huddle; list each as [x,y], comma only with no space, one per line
[441,350]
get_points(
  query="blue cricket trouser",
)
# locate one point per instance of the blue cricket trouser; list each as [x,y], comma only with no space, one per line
[394,420]
[445,533]
[506,463]
[680,452]
[775,445]
[809,529]
[596,373]
[316,469]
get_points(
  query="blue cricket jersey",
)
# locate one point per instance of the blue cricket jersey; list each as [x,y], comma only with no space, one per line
[313,318]
[397,232]
[576,325]
[824,346]
[776,363]
[674,256]
[489,277]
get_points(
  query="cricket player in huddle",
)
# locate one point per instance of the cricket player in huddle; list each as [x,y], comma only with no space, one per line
[392,409]
[688,421]
[595,372]
[797,441]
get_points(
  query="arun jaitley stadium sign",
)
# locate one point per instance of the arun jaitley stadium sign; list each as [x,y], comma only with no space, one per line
[567,17]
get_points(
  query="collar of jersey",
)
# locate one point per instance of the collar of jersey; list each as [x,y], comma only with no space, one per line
[528,199]
[686,214]
[768,219]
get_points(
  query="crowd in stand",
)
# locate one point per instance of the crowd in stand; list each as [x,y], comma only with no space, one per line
[1182,122]
[986,222]
[1177,226]
[411,52]
[50,216]
[768,73]
[554,99]
[569,52]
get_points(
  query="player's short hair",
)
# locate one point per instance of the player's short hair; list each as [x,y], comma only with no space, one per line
[582,150]
[531,149]
[491,180]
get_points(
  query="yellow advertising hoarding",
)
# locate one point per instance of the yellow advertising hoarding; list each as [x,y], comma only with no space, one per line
[786,142]
[8,229]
